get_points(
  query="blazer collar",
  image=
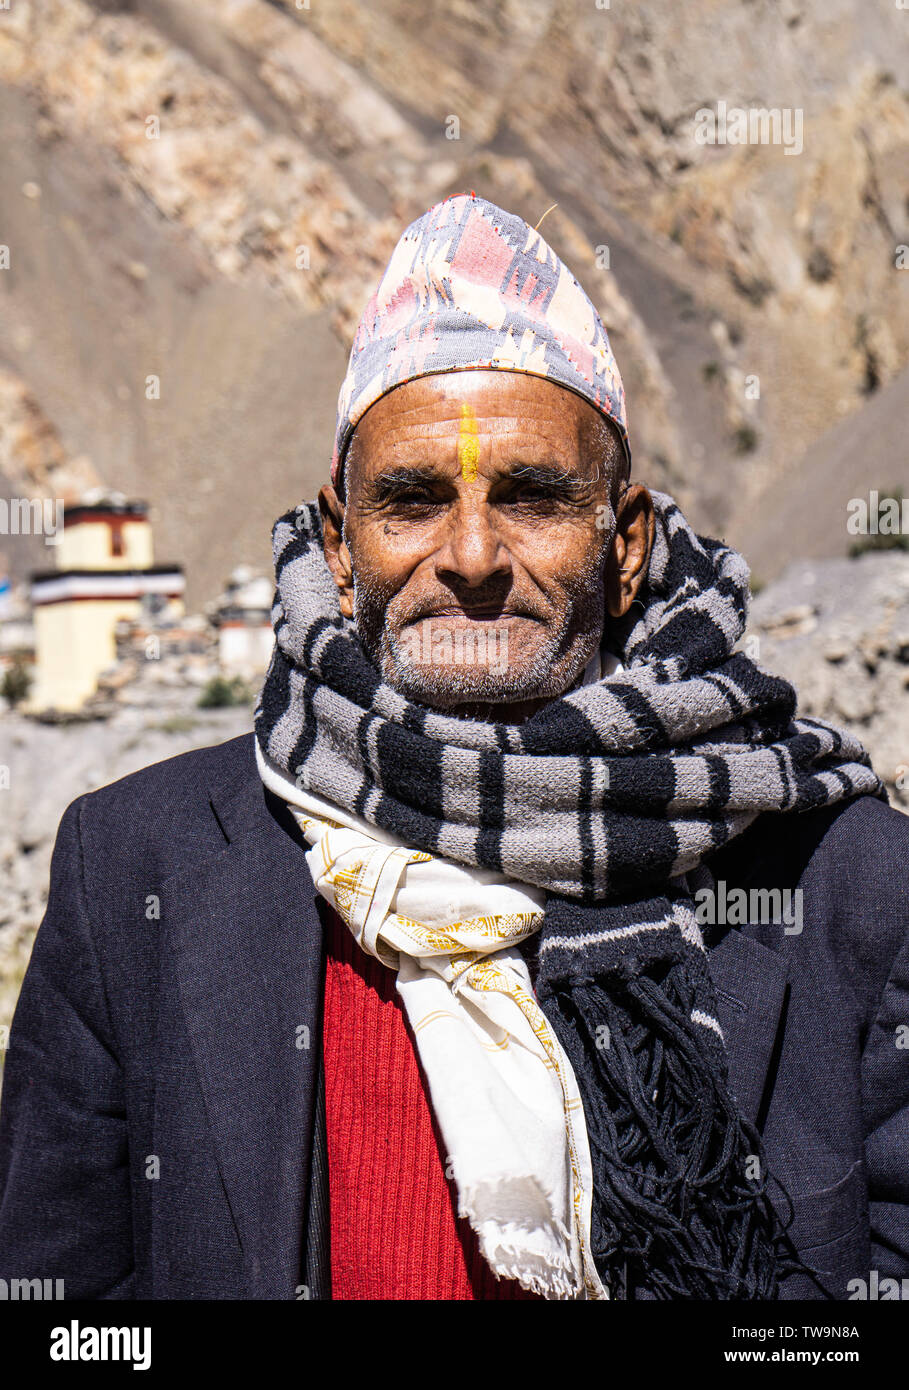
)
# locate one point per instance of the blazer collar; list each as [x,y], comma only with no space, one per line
[246,942]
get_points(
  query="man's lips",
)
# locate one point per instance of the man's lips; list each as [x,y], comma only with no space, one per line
[474,615]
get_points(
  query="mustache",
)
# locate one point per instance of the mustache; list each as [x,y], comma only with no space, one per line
[484,603]
[472,612]
[479,610]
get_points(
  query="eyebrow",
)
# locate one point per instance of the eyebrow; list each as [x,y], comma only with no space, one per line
[551,476]
[402,476]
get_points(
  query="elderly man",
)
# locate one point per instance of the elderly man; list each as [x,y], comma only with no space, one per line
[534,948]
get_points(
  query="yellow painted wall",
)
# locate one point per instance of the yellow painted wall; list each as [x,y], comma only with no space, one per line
[74,642]
[86,546]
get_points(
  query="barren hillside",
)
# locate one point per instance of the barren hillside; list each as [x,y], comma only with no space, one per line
[275,128]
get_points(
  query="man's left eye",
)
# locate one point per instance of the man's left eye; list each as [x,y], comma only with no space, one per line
[532,493]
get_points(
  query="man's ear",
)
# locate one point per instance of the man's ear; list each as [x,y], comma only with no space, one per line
[629,555]
[337,556]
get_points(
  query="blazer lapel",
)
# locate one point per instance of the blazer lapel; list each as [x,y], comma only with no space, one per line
[751,986]
[247,947]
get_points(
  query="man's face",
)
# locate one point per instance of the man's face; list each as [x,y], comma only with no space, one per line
[478,548]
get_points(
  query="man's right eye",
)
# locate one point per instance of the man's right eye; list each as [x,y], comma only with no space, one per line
[413,498]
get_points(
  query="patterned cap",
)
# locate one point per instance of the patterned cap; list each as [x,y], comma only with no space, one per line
[469,285]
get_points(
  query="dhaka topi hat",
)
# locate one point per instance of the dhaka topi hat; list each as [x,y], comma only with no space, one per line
[469,285]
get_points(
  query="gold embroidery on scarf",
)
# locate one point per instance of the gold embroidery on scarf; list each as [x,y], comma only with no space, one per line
[347,885]
[510,926]
[438,1014]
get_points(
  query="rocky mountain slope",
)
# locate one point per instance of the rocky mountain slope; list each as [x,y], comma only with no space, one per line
[229,254]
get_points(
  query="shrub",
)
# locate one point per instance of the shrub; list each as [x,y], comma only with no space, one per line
[893,541]
[221,692]
[17,680]
[745,439]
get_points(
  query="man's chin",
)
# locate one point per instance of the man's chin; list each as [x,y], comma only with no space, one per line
[454,693]
[454,685]
[450,663]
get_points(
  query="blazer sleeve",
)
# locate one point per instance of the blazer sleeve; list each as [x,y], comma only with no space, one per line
[65,1208]
[885,1067]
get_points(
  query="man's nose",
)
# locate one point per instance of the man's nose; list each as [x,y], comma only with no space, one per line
[473,551]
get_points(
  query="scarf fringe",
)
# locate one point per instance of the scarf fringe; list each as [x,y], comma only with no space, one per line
[675,1211]
[535,1255]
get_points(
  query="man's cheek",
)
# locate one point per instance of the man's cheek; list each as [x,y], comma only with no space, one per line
[379,564]
[563,563]
[394,551]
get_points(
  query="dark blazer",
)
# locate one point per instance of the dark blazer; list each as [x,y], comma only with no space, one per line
[161,1131]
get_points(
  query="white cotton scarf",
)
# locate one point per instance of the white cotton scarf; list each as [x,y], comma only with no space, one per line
[502,1089]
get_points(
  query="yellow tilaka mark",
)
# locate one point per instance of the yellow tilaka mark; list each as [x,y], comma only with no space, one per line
[468,445]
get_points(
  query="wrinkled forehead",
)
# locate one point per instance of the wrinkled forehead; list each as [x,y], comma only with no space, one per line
[436,412]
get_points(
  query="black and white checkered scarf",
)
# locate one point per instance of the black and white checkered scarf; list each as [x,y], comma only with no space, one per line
[609,798]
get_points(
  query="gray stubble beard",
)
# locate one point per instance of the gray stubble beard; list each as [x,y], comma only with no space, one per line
[565,653]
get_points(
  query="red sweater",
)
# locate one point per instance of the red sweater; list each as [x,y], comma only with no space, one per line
[395,1232]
